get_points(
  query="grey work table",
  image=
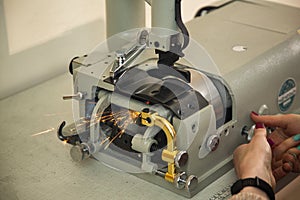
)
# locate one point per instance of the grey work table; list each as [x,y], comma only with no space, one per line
[35,165]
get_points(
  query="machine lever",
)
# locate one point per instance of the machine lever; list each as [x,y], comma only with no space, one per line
[73,139]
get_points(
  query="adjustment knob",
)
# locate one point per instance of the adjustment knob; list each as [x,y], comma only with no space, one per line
[182,181]
[191,183]
[248,133]
[79,153]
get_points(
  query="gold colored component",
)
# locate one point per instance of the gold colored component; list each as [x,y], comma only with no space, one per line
[298,31]
[170,175]
[154,119]
[169,154]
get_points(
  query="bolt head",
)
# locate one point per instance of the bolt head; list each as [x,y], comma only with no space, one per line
[213,142]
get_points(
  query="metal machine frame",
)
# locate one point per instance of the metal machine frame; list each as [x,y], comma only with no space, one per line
[187,94]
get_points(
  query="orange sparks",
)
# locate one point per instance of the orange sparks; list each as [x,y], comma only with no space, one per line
[122,119]
[119,134]
[55,114]
[43,132]
[103,141]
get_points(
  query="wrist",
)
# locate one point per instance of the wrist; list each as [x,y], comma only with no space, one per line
[254,190]
[258,171]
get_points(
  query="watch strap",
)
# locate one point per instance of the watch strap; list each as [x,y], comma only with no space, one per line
[254,182]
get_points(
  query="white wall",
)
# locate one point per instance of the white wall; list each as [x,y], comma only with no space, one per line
[33,22]
[39,37]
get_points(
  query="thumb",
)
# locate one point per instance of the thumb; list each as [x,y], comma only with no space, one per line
[259,132]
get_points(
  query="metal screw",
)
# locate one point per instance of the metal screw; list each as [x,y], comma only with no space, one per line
[213,142]
[194,128]
[77,96]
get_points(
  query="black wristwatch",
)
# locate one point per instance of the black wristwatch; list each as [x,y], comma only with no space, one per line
[254,182]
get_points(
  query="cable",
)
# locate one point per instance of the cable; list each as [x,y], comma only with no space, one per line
[170,57]
[181,25]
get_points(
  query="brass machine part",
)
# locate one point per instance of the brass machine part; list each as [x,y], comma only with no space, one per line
[168,154]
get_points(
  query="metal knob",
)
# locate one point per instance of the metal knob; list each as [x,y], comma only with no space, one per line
[248,133]
[263,110]
[79,153]
[191,183]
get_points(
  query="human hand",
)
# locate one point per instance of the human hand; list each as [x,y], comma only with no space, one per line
[285,149]
[286,157]
[254,159]
[288,124]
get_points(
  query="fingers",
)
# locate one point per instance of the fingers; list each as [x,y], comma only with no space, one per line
[276,137]
[279,173]
[260,132]
[259,139]
[288,166]
[290,163]
[285,145]
[271,120]
[291,160]
[276,164]
[285,149]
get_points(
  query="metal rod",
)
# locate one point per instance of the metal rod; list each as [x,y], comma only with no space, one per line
[122,15]
[163,14]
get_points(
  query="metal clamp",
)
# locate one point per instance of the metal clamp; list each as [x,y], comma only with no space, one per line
[169,154]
